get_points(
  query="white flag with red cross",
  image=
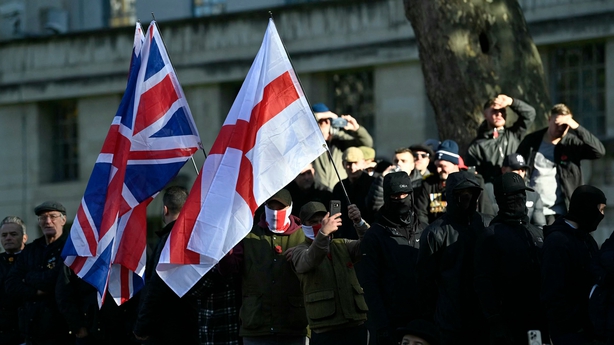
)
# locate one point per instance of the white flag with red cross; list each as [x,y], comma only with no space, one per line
[269,136]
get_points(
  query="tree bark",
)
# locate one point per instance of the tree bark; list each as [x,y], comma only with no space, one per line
[473,50]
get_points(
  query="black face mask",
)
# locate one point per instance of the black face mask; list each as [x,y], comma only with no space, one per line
[400,210]
[513,206]
[583,207]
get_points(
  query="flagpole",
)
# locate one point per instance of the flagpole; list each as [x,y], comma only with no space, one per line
[172,64]
[330,155]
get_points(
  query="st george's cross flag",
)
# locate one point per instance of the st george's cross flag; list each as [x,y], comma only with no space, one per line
[151,137]
[269,136]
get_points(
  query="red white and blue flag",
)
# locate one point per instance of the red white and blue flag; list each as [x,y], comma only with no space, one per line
[269,136]
[151,137]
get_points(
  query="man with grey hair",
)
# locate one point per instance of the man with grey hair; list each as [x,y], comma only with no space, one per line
[13,239]
[32,280]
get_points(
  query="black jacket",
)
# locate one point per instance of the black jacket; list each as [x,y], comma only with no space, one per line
[486,153]
[601,304]
[163,315]
[507,274]
[445,267]
[389,255]
[78,302]
[357,192]
[300,197]
[37,269]
[577,145]
[9,325]
[567,278]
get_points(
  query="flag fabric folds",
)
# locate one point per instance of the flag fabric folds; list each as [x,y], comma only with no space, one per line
[151,137]
[269,136]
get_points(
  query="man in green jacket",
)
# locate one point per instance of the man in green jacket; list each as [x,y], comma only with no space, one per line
[334,300]
[273,311]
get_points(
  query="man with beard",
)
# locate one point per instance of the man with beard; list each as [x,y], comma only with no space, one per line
[389,251]
[507,266]
[567,279]
[445,263]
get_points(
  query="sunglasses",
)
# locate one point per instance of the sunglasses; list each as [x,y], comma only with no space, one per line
[421,155]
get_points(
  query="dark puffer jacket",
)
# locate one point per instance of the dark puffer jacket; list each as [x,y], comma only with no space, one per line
[446,261]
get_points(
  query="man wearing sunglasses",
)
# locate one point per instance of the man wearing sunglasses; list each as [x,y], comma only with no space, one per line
[494,140]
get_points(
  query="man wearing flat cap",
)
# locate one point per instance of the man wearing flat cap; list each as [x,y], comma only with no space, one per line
[338,140]
[507,266]
[34,276]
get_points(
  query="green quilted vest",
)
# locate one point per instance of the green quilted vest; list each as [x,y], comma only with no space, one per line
[333,296]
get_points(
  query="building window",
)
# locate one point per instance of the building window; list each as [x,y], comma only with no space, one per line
[579,82]
[123,13]
[204,8]
[59,139]
[353,95]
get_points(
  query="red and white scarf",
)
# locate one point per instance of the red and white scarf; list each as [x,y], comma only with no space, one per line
[278,221]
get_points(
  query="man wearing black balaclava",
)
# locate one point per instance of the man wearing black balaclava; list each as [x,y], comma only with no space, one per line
[566,277]
[507,266]
[445,264]
[390,250]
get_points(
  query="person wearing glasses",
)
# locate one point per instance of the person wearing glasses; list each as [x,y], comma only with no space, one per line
[33,279]
[494,140]
[423,156]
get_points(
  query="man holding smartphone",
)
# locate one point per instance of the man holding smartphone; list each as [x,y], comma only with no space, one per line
[339,135]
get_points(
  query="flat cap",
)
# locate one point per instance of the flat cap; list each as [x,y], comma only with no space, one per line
[50,206]
[310,209]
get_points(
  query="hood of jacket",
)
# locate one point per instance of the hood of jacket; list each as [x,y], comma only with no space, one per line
[457,181]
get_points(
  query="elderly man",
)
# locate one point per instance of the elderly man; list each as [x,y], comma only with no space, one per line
[33,279]
[13,239]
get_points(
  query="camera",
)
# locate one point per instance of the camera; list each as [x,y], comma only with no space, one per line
[339,122]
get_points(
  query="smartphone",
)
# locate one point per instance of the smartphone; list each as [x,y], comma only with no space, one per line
[335,207]
[535,337]
[339,122]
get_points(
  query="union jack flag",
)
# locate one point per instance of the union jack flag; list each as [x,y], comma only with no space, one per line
[151,137]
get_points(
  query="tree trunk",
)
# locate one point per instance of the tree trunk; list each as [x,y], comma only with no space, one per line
[473,50]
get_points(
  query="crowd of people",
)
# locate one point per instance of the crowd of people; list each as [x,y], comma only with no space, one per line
[431,248]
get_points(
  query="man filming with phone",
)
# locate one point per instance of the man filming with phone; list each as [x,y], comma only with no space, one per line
[340,132]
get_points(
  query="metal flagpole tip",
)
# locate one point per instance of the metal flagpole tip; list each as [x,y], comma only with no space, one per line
[152,16]
[271,14]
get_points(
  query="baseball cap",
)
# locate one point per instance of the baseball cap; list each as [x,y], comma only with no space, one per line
[310,209]
[352,155]
[515,161]
[397,182]
[509,183]
[321,111]
[282,196]
[49,206]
